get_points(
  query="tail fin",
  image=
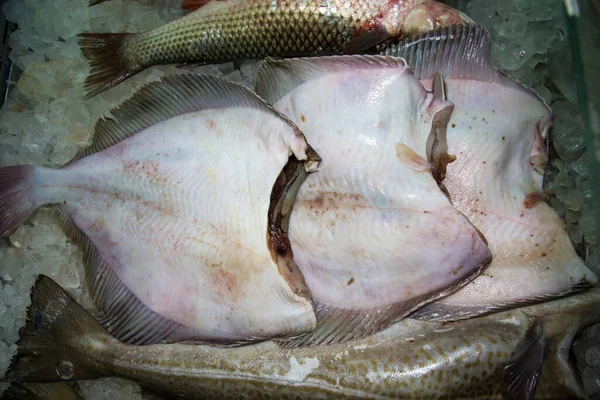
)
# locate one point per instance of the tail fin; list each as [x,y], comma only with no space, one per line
[46,350]
[15,202]
[108,63]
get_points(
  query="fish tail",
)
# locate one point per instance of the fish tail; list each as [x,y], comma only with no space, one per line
[16,203]
[109,64]
[47,349]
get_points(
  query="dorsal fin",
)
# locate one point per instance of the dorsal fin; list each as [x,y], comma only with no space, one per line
[457,52]
[277,78]
[122,314]
[174,95]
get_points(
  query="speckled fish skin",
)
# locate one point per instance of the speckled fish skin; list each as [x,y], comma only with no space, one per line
[248,29]
[413,359]
[497,132]
[179,207]
[373,234]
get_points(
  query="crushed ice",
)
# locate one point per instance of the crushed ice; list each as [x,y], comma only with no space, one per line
[46,120]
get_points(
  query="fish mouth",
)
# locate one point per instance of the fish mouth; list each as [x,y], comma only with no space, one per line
[283,196]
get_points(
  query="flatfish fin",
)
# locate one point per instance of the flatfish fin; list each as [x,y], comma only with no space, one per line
[276,78]
[520,375]
[172,96]
[440,312]
[456,51]
[122,314]
[340,325]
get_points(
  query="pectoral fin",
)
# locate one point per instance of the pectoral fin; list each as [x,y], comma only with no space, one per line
[520,376]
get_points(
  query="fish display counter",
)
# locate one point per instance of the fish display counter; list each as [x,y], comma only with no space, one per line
[300,199]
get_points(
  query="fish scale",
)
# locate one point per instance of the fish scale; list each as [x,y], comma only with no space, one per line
[196,36]
[221,31]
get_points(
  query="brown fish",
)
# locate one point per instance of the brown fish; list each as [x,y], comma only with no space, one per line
[510,353]
[247,29]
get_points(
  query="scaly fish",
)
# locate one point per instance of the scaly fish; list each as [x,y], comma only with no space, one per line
[480,358]
[497,132]
[372,233]
[247,29]
[181,206]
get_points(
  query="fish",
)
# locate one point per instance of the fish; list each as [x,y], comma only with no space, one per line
[41,391]
[229,30]
[181,206]
[498,133]
[373,234]
[516,353]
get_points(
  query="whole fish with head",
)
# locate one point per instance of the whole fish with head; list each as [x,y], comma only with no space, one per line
[246,29]
[372,233]
[481,358]
[498,133]
[181,206]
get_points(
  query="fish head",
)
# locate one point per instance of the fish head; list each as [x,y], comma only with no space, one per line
[414,17]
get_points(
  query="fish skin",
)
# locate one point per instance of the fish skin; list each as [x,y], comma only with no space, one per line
[412,245]
[179,207]
[497,132]
[247,29]
[412,359]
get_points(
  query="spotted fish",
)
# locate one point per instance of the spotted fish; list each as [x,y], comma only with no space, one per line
[516,354]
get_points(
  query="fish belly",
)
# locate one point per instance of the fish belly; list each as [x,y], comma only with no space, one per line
[373,228]
[179,212]
[494,182]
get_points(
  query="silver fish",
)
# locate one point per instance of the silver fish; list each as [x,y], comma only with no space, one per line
[511,352]
[220,31]
[372,233]
[497,132]
[181,206]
